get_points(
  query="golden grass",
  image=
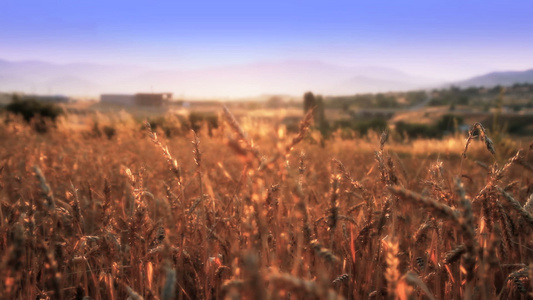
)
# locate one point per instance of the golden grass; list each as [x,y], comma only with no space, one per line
[254,212]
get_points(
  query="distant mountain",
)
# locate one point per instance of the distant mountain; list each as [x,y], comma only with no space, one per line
[286,77]
[365,84]
[498,78]
[69,79]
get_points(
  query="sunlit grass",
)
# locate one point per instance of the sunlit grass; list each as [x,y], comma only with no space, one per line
[252,210]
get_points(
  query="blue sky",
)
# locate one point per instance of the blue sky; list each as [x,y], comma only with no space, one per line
[438,39]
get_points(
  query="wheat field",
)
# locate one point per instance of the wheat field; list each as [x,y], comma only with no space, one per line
[250,211]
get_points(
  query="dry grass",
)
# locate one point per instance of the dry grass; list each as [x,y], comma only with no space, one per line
[252,212]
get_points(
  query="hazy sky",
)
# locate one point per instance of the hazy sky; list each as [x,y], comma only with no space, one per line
[439,39]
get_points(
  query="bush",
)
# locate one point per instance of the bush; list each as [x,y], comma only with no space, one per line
[31,108]
[156,123]
[170,125]
[197,119]
[414,130]
[447,122]
[109,131]
[38,113]
[377,125]
[362,127]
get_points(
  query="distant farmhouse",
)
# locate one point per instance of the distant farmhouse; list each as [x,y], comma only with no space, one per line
[142,99]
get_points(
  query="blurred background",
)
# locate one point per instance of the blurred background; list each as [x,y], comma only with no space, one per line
[236,49]
[363,60]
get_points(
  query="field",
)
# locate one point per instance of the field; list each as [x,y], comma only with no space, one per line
[249,210]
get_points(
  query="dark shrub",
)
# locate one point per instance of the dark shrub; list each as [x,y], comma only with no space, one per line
[377,125]
[109,131]
[361,127]
[95,129]
[414,130]
[156,123]
[170,127]
[197,119]
[39,114]
[447,123]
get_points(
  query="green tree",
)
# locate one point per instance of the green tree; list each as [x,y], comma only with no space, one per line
[319,113]
[448,122]
[319,116]
[309,101]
